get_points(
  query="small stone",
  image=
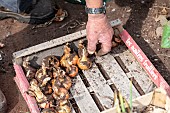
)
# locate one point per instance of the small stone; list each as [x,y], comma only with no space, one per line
[148,41]
[164,11]
[128,11]
[138,35]
[113,10]
[155,59]
[162,19]
[0,57]
[142,1]
[1,45]
[108,6]
[15,21]
[159,31]
[123,15]
[8,34]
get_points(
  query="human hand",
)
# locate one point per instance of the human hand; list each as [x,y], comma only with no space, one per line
[99,30]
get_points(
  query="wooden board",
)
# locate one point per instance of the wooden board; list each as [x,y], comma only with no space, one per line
[136,71]
[50,44]
[56,42]
[82,97]
[117,76]
[100,87]
[134,68]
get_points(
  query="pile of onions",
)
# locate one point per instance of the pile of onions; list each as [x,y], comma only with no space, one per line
[51,82]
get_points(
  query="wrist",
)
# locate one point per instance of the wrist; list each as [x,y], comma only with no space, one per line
[94,10]
[96,16]
[94,3]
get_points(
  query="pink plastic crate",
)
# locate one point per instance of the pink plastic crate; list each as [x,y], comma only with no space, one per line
[145,63]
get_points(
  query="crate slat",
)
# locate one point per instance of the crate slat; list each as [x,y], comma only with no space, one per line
[50,44]
[136,71]
[56,42]
[117,75]
[72,110]
[83,97]
[100,87]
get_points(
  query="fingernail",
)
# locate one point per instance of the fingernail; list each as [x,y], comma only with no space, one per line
[90,52]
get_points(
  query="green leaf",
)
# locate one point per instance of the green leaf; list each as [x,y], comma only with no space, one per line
[165,42]
[122,103]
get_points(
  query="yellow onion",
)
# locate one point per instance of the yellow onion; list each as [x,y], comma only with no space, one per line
[62,94]
[64,109]
[72,70]
[50,62]
[48,110]
[83,62]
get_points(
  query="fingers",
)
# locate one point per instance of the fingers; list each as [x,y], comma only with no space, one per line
[91,46]
[106,41]
[92,37]
[106,47]
[99,30]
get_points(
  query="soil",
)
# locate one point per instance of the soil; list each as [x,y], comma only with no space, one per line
[138,17]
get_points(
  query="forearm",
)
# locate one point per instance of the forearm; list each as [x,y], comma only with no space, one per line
[94,3]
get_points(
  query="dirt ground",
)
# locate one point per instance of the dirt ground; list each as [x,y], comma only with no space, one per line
[138,17]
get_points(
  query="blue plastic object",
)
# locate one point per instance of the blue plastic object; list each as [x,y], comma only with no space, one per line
[16,6]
